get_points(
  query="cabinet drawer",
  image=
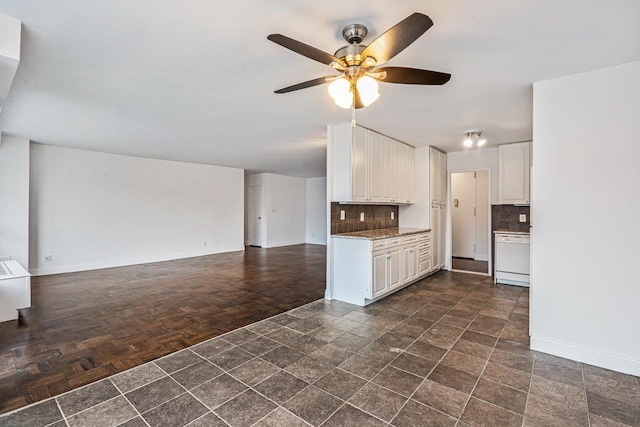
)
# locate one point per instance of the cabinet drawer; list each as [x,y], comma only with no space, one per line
[423,237]
[409,239]
[379,244]
[424,266]
[394,242]
[424,245]
[424,254]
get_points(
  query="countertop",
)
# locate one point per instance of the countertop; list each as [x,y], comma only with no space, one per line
[384,233]
[526,233]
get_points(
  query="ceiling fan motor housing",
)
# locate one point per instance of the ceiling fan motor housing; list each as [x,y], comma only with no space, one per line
[354,33]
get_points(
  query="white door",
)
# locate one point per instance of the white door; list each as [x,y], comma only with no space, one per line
[463,214]
[255,220]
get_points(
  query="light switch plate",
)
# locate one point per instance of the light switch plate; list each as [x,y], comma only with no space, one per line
[361,216]
[392,215]
[523,217]
[342,215]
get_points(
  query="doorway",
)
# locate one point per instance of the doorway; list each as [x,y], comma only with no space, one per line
[470,222]
[255,216]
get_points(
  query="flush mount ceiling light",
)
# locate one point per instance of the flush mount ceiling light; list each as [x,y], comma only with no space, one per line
[358,64]
[474,137]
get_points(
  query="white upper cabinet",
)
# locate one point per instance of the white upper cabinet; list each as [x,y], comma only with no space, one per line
[437,177]
[360,165]
[514,173]
[371,168]
[376,164]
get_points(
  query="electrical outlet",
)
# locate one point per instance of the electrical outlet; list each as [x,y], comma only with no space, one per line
[342,216]
[392,215]
[48,258]
[523,217]
[361,216]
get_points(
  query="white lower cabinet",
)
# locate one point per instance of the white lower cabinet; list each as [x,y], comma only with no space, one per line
[365,270]
[386,271]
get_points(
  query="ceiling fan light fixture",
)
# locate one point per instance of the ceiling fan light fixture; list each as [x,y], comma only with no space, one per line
[368,90]
[339,88]
[340,91]
[345,101]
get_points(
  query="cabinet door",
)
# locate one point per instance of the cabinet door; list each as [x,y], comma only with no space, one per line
[410,263]
[359,160]
[379,282]
[514,173]
[407,270]
[435,236]
[410,177]
[394,267]
[389,170]
[434,176]
[396,170]
[415,272]
[442,227]
[404,173]
[376,169]
[442,182]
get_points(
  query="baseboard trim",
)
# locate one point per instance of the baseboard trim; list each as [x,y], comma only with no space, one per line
[287,243]
[72,268]
[581,353]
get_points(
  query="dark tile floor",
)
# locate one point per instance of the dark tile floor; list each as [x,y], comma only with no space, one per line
[451,350]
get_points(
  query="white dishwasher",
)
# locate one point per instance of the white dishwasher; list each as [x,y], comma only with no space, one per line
[512,259]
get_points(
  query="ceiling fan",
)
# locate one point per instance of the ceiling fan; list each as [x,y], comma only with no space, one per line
[357,86]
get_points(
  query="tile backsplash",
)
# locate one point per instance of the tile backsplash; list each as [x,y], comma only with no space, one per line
[506,217]
[375,217]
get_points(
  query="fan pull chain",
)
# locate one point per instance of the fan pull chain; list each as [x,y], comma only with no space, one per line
[353,112]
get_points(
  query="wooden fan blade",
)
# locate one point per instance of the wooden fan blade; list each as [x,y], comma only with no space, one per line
[304,85]
[398,38]
[304,49]
[413,76]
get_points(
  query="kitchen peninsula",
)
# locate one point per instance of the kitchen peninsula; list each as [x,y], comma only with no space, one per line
[371,264]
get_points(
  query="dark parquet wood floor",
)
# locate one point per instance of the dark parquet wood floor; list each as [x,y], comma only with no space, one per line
[86,326]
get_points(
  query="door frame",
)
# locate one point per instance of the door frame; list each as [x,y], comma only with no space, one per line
[449,232]
[259,212]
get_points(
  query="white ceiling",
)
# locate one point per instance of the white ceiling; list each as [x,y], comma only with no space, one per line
[193,80]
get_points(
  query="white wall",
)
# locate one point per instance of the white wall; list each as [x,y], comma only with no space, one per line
[482,216]
[487,158]
[14,199]
[285,202]
[93,210]
[585,209]
[316,211]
